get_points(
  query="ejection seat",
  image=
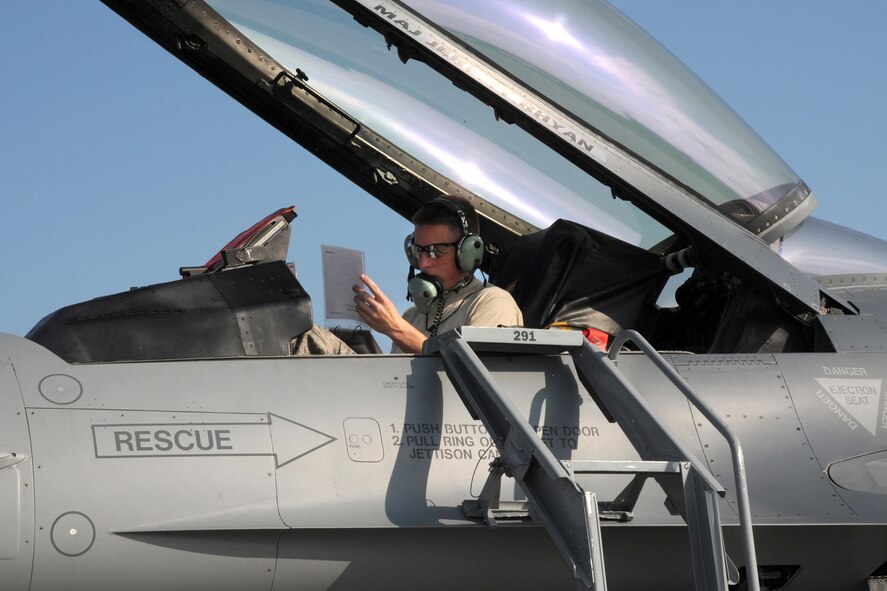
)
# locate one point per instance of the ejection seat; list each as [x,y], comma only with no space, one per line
[570,276]
[266,240]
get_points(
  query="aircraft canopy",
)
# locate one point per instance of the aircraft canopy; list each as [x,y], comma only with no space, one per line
[599,85]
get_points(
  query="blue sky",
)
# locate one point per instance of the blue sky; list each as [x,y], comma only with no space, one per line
[119,164]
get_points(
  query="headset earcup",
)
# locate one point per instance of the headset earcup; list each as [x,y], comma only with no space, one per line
[424,290]
[470,253]
[407,243]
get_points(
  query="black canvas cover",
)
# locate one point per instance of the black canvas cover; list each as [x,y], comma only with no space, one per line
[248,310]
[570,273]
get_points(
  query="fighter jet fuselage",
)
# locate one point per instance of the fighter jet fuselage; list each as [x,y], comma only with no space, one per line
[167,436]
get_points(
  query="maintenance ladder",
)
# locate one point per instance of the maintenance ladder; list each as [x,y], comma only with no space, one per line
[572,515]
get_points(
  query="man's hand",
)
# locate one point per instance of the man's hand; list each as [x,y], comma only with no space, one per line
[382,315]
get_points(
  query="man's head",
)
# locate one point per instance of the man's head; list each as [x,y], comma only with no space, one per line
[445,243]
[451,210]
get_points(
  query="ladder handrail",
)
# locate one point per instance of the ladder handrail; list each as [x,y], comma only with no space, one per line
[571,517]
[745,523]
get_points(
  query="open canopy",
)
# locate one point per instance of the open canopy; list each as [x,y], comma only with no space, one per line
[581,76]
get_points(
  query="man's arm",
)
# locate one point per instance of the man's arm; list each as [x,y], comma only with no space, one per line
[382,315]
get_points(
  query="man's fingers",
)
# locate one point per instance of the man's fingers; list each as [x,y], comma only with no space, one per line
[378,293]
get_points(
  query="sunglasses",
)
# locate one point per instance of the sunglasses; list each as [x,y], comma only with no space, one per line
[432,250]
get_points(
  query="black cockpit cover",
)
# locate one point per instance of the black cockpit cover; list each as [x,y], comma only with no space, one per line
[570,273]
[250,310]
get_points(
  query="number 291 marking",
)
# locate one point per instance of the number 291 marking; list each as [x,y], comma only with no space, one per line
[524,336]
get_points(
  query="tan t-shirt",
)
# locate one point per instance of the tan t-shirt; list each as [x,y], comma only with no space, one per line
[472,305]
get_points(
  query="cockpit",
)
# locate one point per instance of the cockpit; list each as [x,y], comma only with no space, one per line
[246,300]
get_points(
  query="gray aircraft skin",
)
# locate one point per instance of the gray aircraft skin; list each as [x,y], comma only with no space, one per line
[164,438]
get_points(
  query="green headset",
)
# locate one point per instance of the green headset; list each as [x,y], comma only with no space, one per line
[423,289]
[469,248]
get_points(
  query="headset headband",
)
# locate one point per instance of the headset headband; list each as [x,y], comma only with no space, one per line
[454,207]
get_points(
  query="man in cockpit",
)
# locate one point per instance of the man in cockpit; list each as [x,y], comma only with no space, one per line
[447,249]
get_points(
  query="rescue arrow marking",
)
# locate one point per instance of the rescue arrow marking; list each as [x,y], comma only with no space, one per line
[280,437]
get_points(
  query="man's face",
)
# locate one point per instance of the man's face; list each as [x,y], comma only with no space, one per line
[444,267]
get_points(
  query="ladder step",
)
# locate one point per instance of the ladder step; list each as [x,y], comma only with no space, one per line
[621,467]
[505,511]
[518,512]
